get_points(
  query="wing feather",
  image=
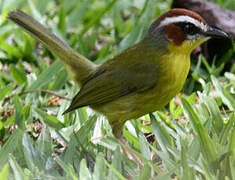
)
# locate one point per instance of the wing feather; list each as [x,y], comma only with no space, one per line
[115,83]
[116,79]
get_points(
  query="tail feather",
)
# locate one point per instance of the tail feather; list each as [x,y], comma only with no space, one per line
[77,65]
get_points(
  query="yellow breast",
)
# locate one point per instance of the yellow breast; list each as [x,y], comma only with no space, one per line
[174,66]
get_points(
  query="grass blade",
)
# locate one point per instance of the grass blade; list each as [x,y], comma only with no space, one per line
[68,169]
[19,115]
[46,76]
[226,97]
[95,19]
[99,172]
[161,134]
[6,91]
[9,147]
[49,119]
[84,171]
[17,170]
[4,173]
[145,173]
[207,146]
[18,75]
[115,171]
[117,164]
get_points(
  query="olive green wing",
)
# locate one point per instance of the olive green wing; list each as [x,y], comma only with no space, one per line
[110,84]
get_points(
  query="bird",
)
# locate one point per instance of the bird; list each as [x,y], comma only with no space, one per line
[141,79]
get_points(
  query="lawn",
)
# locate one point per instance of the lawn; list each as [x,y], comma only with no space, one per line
[193,137]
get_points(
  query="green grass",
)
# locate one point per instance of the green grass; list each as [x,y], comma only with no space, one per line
[192,138]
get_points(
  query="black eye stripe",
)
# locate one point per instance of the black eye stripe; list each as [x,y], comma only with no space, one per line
[188,28]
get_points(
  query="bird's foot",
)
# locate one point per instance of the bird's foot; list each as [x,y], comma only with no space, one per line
[129,154]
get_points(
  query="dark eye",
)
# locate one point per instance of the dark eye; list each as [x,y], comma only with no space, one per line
[190,29]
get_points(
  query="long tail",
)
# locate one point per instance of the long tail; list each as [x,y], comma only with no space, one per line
[77,65]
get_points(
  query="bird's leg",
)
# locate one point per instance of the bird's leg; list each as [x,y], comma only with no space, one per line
[128,152]
[117,127]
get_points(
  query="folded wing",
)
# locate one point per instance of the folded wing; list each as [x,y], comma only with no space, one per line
[112,82]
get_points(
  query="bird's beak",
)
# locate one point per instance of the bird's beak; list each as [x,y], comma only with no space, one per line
[216,33]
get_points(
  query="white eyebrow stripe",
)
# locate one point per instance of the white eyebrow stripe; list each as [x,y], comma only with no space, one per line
[170,20]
